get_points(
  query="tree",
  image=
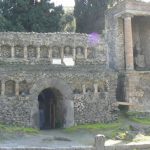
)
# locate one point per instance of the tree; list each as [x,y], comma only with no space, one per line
[68,22]
[30,16]
[90,15]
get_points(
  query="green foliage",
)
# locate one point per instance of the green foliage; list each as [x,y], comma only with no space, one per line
[144,121]
[68,22]
[30,15]
[90,15]
[14,129]
[4,24]
[98,126]
[138,117]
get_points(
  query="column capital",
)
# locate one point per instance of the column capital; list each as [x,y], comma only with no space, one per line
[127,15]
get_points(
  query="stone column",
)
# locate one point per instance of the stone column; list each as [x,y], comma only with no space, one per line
[25,52]
[74,54]
[50,54]
[0,50]
[95,88]
[38,52]
[3,87]
[128,42]
[17,88]
[62,55]
[100,142]
[84,89]
[85,52]
[12,51]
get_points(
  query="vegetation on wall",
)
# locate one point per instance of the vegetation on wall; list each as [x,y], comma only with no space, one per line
[68,23]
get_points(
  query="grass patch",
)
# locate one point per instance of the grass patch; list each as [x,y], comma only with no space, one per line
[110,130]
[144,121]
[17,129]
[97,126]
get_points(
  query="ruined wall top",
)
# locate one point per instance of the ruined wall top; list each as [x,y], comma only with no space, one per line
[47,47]
[38,39]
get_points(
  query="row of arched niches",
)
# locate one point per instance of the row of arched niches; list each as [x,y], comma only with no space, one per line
[47,53]
[22,88]
[14,88]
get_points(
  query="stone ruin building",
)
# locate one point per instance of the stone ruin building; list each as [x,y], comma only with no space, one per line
[39,88]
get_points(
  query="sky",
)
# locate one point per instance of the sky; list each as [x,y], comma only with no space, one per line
[64,2]
[71,2]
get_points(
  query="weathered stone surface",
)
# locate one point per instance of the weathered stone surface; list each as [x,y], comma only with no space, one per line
[24,78]
[32,62]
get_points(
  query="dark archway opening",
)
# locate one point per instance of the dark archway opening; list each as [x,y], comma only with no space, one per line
[51,114]
[120,94]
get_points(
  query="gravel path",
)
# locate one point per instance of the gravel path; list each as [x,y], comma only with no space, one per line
[52,138]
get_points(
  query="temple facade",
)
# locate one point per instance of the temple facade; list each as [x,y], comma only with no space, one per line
[127,40]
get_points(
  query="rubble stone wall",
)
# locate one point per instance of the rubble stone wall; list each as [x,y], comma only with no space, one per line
[43,48]
[138,90]
[115,41]
[92,94]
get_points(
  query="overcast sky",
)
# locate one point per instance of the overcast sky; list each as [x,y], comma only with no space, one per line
[64,2]
[71,2]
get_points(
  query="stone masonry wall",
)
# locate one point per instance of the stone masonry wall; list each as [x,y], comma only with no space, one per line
[114,40]
[27,68]
[138,90]
[93,93]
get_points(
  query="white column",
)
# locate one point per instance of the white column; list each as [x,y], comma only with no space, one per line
[17,88]
[3,87]
[95,88]
[62,55]
[12,51]
[84,89]
[85,52]
[0,50]
[128,42]
[74,54]
[25,52]
[38,52]
[50,54]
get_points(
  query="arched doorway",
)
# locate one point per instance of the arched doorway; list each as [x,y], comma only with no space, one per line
[67,100]
[51,110]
